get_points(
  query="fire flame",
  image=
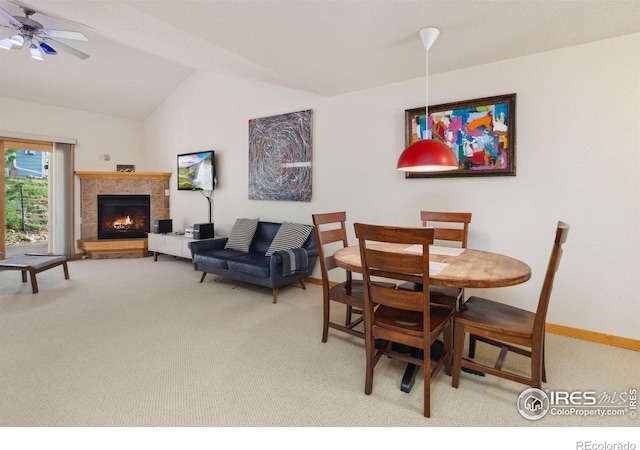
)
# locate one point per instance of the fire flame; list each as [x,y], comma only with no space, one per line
[127,223]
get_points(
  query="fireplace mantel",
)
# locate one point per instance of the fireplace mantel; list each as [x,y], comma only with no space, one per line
[125,175]
[155,184]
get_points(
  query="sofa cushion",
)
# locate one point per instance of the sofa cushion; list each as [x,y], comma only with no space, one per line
[253,264]
[265,233]
[289,236]
[215,258]
[242,235]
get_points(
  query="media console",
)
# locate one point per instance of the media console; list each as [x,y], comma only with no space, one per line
[170,244]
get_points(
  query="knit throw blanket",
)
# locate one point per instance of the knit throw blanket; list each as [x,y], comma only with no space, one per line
[294,261]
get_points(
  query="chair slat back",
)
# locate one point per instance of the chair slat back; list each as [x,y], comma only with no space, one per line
[330,228]
[446,233]
[393,266]
[401,263]
[334,234]
[396,298]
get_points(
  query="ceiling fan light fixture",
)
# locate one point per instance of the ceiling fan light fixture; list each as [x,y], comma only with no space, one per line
[35,53]
[47,49]
[6,44]
[17,40]
[32,34]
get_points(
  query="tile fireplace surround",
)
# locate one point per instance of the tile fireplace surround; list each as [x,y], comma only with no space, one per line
[92,184]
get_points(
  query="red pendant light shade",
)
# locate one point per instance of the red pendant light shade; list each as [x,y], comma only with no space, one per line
[427,155]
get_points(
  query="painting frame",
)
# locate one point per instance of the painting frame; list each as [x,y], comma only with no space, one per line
[280,157]
[492,150]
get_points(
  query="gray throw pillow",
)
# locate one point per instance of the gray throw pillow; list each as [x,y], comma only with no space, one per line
[290,235]
[242,235]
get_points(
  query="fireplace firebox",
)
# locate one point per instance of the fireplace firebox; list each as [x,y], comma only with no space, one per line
[124,216]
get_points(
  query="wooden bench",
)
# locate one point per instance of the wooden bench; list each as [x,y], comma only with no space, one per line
[34,263]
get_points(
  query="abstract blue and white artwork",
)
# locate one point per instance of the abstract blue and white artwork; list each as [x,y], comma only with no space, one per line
[280,157]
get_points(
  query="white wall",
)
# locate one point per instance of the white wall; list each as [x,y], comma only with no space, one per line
[577,148]
[96,134]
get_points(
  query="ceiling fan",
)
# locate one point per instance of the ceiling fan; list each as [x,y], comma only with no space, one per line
[33,35]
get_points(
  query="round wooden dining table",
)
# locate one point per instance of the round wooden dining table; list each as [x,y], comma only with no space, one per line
[469,269]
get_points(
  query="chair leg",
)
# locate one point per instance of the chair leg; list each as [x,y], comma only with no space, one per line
[544,366]
[304,286]
[347,319]
[458,347]
[275,295]
[325,319]
[204,274]
[370,364]
[537,364]
[472,346]
[448,347]
[427,387]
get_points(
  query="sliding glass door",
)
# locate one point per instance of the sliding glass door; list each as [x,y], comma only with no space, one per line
[24,197]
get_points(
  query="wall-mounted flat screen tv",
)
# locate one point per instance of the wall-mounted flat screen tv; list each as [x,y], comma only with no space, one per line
[197,171]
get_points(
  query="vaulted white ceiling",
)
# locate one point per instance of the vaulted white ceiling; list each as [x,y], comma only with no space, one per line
[142,50]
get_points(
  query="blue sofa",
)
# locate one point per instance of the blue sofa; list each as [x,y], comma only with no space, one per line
[210,256]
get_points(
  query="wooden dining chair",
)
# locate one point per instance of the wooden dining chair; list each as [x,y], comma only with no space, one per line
[331,234]
[401,316]
[451,229]
[507,327]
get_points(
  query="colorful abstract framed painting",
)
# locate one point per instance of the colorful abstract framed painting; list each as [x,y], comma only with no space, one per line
[280,157]
[480,132]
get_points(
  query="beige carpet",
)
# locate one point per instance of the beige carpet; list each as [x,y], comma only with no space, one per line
[138,343]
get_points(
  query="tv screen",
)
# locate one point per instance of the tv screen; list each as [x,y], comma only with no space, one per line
[197,171]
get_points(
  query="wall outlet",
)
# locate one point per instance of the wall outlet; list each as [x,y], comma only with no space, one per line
[105,157]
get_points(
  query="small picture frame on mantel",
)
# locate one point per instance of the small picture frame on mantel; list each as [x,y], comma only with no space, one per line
[125,168]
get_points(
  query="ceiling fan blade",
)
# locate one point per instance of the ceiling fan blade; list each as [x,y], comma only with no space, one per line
[8,27]
[66,48]
[10,18]
[64,34]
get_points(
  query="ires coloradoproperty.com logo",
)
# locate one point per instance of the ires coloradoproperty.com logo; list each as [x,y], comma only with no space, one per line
[534,404]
